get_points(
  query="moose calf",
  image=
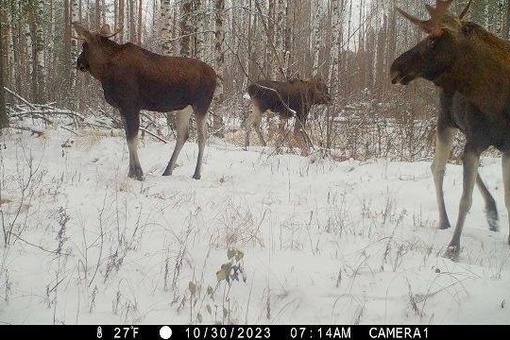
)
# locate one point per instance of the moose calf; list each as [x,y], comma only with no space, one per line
[289,99]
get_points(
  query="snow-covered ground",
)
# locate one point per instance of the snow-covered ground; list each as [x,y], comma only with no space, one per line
[310,240]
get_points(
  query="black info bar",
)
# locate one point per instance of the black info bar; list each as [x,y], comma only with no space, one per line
[279,332]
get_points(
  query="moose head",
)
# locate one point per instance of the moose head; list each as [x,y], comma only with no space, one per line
[435,57]
[95,48]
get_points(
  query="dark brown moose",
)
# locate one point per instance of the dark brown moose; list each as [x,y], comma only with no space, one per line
[472,68]
[289,99]
[134,79]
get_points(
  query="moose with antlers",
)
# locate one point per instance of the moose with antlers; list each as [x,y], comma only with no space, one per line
[134,79]
[471,66]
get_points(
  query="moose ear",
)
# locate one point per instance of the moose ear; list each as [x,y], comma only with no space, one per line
[105,30]
[82,31]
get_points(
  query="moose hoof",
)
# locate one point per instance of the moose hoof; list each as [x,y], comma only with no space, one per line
[444,225]
[493,223]
[452,252]
[196,176]
[136,174]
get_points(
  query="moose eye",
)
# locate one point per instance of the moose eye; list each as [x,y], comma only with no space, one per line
[431,43]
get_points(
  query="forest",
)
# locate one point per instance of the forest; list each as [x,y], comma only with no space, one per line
[348,43]
[344,232]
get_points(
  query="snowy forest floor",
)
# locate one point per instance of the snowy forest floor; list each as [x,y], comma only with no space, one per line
[262,238]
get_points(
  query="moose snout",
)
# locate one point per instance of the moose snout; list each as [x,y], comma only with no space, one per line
[395,76]
[81,63]
[398,77]
[400,73]
[81,67]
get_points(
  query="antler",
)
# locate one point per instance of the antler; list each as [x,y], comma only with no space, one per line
[464,12]
[439,10]
[106,32]
[431,26]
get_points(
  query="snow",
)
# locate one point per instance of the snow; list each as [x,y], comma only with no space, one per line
[322,242]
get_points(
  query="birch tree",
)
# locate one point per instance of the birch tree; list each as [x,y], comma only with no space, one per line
[4,122]
[186,27]
[120,11]
[337,32]
[165,28]
[219,57]
[75,15]
[166,44]
[198,19]
[317,39]
[36,11]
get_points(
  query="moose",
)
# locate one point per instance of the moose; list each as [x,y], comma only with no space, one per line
[471,66]
[289,99]
[134,79]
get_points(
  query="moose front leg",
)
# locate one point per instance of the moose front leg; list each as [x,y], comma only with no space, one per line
[444,140]
[131,122]
[299,130]
[470,162]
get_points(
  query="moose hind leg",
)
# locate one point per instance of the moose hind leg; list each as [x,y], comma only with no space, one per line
[131,125]
[201,135]
[470,163]
[182,122]
[506,183]
[253,121]
[491,211]
[299,129]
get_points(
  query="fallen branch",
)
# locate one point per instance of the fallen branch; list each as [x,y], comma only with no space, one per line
[33,130]
[154,135]
[19,97]
[40,113]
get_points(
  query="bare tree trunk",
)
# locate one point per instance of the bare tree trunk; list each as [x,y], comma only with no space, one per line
[279,38]
[119,25]
[271,53]
[10,69]
[165,28]
[35,9]
[25,42]
[66,70]
[75,15]
[251,27]
[165,43]
[140,22]
[270,41]
[4,121]
[506,22]
[336,29]
[219,36]
[198,34]
[186,29]
[97,15]
[317,40]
